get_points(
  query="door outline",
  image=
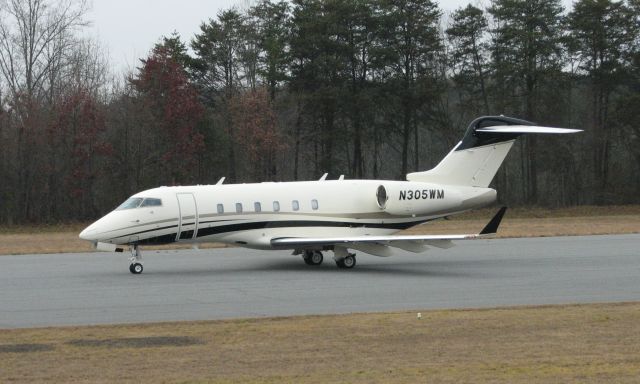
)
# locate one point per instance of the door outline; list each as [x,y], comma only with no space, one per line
[180,219]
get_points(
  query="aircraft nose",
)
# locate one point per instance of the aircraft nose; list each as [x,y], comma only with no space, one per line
[88,233]
[93,232]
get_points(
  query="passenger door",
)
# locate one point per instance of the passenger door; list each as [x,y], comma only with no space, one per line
[188,216]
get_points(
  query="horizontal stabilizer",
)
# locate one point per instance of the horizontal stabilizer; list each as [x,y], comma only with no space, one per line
[510,129]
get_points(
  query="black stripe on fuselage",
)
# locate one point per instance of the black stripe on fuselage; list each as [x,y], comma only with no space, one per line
[146,231]
[227,228]
[159,240]
[299,223]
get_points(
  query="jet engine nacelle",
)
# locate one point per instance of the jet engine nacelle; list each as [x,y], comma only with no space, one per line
[407,198]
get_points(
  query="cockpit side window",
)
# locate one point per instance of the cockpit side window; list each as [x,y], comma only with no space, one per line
[133,202]
[151,202]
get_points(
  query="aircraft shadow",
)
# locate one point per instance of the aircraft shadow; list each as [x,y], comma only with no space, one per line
[453,269]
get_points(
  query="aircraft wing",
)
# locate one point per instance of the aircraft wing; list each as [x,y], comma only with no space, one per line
[378,245]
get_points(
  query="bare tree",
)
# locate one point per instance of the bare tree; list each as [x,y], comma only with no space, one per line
[31,41]
[34,36]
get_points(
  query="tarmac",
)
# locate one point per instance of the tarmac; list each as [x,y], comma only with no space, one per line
[97,288]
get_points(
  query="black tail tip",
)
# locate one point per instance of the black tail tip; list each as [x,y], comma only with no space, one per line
[492,226]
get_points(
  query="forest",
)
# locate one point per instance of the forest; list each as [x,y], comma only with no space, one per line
[289,90]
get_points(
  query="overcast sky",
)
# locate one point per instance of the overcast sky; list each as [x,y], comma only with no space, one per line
[130,28]
[128,35]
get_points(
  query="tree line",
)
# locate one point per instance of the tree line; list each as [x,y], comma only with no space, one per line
[289,90]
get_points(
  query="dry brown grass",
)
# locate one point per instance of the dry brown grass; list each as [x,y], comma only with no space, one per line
[519,222]
[539,222]
[566,344]
[60,242]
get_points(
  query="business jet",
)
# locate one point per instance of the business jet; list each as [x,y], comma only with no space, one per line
[313,217]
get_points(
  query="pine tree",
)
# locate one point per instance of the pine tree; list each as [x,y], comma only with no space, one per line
[526,47]
[603,32]
[467,35]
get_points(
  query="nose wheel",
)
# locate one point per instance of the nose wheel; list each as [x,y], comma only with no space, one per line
[136,260]
[135,268]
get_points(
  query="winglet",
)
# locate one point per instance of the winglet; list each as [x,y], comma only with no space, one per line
[492,226]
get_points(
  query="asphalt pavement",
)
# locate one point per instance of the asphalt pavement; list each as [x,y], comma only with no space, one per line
[97,288]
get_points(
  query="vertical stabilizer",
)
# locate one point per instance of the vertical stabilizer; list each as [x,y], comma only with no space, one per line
[475,160]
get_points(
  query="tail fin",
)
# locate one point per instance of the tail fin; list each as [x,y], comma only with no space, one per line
[476,159]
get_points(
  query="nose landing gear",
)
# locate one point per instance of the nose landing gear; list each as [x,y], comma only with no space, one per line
[136,260]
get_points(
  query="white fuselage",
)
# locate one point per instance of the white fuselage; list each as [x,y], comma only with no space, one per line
[251,215]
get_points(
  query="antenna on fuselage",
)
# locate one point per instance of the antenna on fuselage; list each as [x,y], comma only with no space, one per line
[221,180]
[324,177]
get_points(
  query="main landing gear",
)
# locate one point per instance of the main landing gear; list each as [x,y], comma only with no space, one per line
[312,257]
[347,262]
[342,257]
[136,260]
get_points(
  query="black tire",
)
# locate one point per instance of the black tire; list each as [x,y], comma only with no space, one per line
[136,268]
[347,263]
[316,258]
[313,257]
[306,256]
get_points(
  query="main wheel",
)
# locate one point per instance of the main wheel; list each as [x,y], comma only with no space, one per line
[347,263]
[316,258]
[313,257]
[136,268]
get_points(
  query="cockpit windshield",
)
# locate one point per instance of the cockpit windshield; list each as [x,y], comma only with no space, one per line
[151,202]
[135,202]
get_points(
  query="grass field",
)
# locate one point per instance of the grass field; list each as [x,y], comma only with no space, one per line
[519,222]
[597,343]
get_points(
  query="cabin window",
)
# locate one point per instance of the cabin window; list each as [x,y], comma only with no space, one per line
[314,204]
[295,205]
[133,202]
[257,206]
[151,202]
[276,206]
[220,208]
[239,207]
